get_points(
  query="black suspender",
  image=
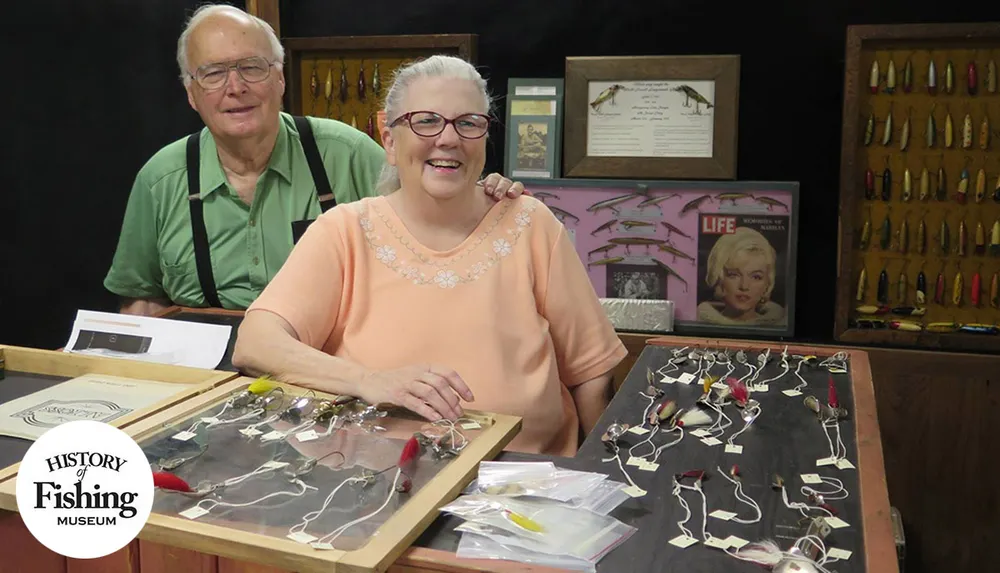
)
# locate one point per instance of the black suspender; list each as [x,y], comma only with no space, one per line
[203,259]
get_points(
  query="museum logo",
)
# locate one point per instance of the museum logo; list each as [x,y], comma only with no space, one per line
[84,489]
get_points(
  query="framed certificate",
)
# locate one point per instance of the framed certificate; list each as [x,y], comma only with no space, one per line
[534,128]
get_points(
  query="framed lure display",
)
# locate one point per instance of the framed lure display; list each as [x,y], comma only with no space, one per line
[723,252]
[41,389]
[663,117]
[920,188]
[534,128]
[345,77]
[300,480]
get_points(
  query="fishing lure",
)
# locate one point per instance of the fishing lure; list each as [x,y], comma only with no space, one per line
[675,252]
[612,202]
[979,329]
[976,289]
[931,128]
[942,188]
[995,291]
[169,481]
[980,247]
[695,203]
[354,121]
[872,309]
[887,129]
[963,187]
[361,82]
[961,238]
[563,214]
[652,201]
[873,78]
[909,311]
[907,185]
[921,287]
[922,237]
[904,136]
[862,285]
[343,82]
[905,325]
[627,241]
[980,185]
[672,229]
[376,81]
[866,231]
[543,195]
[925,184]
[603,249]
[967,132]
[630,224]
[949,77]
[972,82]
[957,289]
[314,83]
[732,197]
[942,327]
[904,235]
[870,184]
[944,239]
[328,87]
[939,288]
[984,132]
[672,272]
[607,261]
[901,287]
[931,78]
[995,239]
[771,203]
[882,295]
[870,129]
[604,227]
[996,190]
[890,77]
[886,234]
[949,131]
[370,128]
[991,77]
[907,76]
[886,183]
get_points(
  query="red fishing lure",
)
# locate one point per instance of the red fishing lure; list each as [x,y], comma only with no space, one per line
[169,481]
[832,395]
[738,391]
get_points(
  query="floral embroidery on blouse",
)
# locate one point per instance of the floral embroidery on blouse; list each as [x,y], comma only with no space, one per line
[414,265]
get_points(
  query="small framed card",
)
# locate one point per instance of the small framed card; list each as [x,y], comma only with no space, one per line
[534,128]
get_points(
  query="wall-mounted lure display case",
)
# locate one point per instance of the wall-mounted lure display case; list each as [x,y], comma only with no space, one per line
[346,78]
[920,187]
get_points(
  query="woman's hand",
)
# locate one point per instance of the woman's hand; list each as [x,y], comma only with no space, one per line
[430,391]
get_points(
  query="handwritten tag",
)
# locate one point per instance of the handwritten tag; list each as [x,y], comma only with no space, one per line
[184,436]
[683,541]
[324,546]
[306,436]
[194,512]
[720,386]
[836,522]
[723,515]
[634,491]
[686,378]
[826,462]
[711,441]
[734,449]
[271,436]
[837,553]
[638,430]
[273,465]
[250,432]
[717,543]
[668,380]
[845,464]
[649,466]
[791,393]
[760,388]
[473,425]
[811,478]
[634,461]
[301,537]
[736,542]
[700,433]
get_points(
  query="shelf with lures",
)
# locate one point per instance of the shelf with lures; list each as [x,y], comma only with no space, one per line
[346,77]
[920,188]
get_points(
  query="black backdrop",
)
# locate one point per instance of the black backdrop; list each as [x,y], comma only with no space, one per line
[95,93]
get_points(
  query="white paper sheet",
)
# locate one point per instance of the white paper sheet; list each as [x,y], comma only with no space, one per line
[149,339]
[94,397]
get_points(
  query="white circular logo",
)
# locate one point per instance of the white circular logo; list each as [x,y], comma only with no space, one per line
[84,489]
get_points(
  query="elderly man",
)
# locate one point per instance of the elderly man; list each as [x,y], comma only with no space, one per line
[213,216]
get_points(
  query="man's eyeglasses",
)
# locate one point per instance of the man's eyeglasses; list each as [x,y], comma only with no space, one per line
[252,70]
[430,124]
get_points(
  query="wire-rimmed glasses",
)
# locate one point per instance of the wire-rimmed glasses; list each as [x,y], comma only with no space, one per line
[431,124]
[252,70]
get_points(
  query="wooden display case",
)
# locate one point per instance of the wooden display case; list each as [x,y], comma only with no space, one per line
[228,540]
[324,75]
[902,172]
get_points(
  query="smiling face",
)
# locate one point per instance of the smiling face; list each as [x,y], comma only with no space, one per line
[446,165]
[237,109]
[744,280]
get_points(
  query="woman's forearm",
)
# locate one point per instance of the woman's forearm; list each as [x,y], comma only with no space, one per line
[591,400]
[267,344]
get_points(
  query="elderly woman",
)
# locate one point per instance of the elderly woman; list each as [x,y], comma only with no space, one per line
[432,293]
[741,273]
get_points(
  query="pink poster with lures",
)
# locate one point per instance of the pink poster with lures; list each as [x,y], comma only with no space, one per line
[723,252]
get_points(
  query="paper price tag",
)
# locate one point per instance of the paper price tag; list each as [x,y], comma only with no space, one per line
[811,478]
[723,515]
[826,462]
[717,543]
[736,542]
[184,436]
[301,537]
[845,464]
[634,491]
[649,466]
[194,512]
[323,546]
[836,522]
[699,433]
[638,430]
[210,420]
[837,553]
[791,393]
[760,388]
[305,437]
[634,461]
[473,425]
[271,436]
[686,378]
[667,380]
[734,449]
[683,541]
[710,442]
[250,432]
[273,465]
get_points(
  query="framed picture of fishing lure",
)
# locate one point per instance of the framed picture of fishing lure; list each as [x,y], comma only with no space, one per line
[663,117]
[274,474]
[534,128]
[345,77]
[723,252]
[920,188]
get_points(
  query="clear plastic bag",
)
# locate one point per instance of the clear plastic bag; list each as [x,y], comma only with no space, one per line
[497,473]
[559,529]
[477,546]
[562,485]
[603,498]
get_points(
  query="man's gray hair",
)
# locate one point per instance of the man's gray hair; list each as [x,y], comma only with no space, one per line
[432,67]
[277,50]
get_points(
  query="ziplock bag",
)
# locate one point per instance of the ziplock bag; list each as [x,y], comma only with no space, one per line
[476,546]
[601,499]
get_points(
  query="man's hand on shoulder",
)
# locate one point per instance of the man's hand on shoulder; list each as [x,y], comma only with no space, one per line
[498,186]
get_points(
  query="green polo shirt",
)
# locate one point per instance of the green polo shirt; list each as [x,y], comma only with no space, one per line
[248,244]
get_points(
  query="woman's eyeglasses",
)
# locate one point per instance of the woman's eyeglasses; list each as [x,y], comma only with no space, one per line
[430,124]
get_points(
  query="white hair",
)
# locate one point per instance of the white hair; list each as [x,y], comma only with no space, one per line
[433,67]
[204,11]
